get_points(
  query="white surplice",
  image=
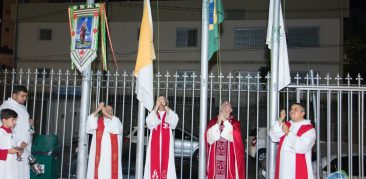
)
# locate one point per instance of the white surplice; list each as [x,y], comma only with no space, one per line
[111,126]
[293,145]
[21,133]
[152,121]
[8,167]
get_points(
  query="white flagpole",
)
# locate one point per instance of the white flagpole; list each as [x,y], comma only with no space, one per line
[203,91]
[84,110]
[271,160]
[140,142]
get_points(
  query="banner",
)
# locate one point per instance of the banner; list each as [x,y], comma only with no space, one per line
[84,24]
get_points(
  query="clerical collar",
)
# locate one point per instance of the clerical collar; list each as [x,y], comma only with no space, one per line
[8,130]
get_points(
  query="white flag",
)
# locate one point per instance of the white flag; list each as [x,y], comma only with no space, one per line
[284,78]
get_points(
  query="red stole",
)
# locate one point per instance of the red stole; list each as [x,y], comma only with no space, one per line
[4,152]
[234,153]
[157,154]
[301,168]
[114,147]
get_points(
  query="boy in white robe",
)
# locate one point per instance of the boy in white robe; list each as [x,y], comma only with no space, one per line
[296,139]
[105,150]
[8,155]
[22,131]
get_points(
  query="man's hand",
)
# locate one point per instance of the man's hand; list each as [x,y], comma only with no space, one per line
[167,108]
[285,128]
[31,122]
[13,151]
[100,106]
[282,115]
[23,145]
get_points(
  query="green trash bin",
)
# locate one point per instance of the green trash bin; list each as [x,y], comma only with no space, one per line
[44,149]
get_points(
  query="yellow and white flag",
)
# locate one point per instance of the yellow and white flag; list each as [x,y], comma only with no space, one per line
[284,78]
[144,63]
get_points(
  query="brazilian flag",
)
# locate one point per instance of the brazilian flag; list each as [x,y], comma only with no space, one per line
[216,16]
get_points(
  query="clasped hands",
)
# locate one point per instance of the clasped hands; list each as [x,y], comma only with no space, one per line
[101,107]
[284,127]
[222,117]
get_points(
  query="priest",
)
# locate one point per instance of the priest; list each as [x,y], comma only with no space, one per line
[105,150]
[22,132]
[225,149]
[160,150]
[295,141]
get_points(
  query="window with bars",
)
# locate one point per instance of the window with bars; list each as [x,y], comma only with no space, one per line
[45,34]
[303,37]
[251,37]
[186,37]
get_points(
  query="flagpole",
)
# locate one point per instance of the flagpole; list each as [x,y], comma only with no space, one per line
[84,109]
[203,91]
[271,162]
[140,141]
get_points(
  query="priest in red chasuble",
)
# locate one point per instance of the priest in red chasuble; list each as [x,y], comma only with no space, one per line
[160,150]
[105,149]
[225,149]
[295,140]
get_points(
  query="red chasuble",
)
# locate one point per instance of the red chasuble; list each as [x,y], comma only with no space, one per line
[301,168]
[160,149]
[114,147]
[224,158]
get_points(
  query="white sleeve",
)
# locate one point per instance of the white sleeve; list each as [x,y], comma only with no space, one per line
[213,134]
[172,119]
[227,132]
[152,120]
[276,132]
[302,144]
[91,124]
[114,126]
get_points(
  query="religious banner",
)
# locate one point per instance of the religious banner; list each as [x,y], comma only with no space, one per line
[84,30]
[84,23]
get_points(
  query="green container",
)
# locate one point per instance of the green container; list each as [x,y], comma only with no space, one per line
[44,149]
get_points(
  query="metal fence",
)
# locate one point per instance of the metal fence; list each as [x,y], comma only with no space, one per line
[335,105]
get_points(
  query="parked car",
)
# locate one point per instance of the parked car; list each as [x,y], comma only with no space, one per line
[344,165]
[189,149]
[259,140]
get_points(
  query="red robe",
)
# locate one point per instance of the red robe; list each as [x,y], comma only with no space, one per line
[235,154]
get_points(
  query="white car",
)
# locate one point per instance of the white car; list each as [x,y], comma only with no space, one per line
[182,147]
[259,140]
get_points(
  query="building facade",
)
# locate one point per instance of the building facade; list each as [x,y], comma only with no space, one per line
[314,35]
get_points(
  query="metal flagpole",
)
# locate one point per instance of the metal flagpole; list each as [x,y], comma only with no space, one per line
[140,143]
[274,87]
[203,91]
[84,109]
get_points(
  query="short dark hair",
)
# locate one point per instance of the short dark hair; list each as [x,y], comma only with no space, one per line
[8,113]
[19,88]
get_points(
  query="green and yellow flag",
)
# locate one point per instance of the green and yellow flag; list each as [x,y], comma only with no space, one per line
[216,16]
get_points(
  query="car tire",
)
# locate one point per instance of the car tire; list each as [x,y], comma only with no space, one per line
[262,153]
